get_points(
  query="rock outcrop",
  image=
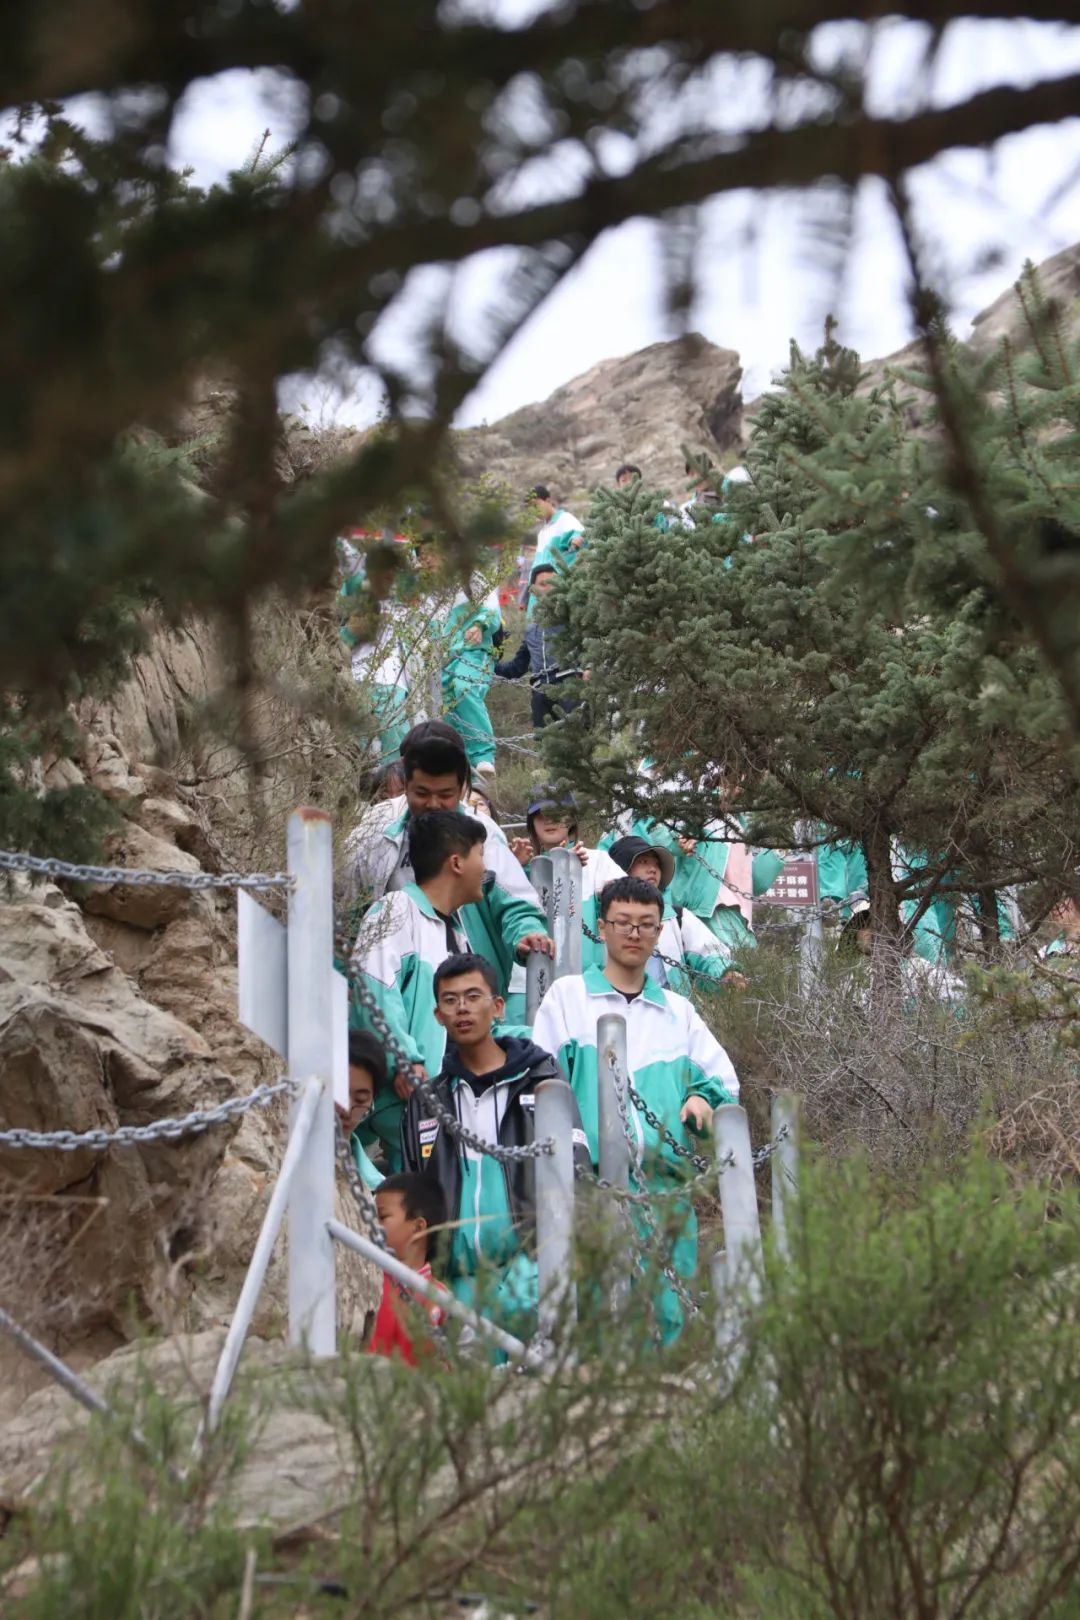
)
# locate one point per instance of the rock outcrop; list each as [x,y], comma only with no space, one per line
[641,408]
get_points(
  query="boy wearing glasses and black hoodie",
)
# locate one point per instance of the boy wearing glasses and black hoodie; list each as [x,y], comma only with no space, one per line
[489,1082]
[677,1066]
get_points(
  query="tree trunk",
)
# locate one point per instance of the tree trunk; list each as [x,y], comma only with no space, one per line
[886,928]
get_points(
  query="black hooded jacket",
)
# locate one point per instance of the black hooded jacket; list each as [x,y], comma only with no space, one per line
[428,1148]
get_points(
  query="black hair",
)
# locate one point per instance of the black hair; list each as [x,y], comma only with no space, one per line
[366,1053]
[435,748]
[438,834]
[630,888]
[541,492]
[456,967]
[560,804]
[542,568]
[422,1195]
[627,467]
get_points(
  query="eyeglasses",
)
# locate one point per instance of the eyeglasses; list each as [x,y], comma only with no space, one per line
[646,930]
[450,1000]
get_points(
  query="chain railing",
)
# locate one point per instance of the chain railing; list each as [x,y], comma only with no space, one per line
[132,877]
[167,1130]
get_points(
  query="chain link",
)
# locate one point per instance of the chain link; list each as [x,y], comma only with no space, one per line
[168,1130]
[369,1215]
[49,866]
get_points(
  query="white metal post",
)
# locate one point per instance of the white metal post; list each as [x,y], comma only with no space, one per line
[555,1114]
[539,969]
[537,983]
[299,1132]
[785,1166]
[811,947]
[312,1301]
[565,923]
[614,1149]
[738,1203]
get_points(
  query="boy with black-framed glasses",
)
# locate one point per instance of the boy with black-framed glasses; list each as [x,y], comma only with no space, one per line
[488,1080]
[677,1066]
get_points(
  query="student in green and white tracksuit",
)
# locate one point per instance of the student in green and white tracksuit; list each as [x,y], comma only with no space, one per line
[677,1065]
[506,922]
[468,636]
[403,939]
[685,947]
[488,1082]
[373,634]
[558,541]
[551,823]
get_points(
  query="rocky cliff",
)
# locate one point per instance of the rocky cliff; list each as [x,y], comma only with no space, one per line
[641,408]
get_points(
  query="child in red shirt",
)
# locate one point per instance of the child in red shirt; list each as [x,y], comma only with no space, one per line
[411,1209]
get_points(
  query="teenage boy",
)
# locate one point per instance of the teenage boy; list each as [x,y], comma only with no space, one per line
[562,535]
[403,939]
[677,1065]
[506,923]
[626,475]
[488,1080]
[537,657]
[412,1212]
[684,940]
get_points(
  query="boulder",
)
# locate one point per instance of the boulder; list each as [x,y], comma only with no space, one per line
[138,905]
[80,1049]
[163,1231]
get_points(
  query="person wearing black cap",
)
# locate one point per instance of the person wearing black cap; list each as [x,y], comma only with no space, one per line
[684,942]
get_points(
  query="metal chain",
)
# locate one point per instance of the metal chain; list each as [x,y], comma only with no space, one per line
[669,961]
[49,866]
[445,1116]
[369,1215]
[652,1235]
[169,1130]
[700,1164]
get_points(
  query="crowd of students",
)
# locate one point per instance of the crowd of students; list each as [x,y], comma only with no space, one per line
[450,918]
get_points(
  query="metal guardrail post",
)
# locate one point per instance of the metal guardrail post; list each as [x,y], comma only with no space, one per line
[566,917]
[403,1274]
[312,1294]
[538,975]
[613,1148]
[555,1115]
[738,1202]
[300,1131]
[785,1166]
[539,969]
[811,949]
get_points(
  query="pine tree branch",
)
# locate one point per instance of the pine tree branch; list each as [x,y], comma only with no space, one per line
[172,45]
[768,159]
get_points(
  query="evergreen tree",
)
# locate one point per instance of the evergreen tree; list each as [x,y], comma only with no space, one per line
[756,664]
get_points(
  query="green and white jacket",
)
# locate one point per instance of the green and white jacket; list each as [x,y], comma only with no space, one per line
[379,857]
[401,943]
[671,1053]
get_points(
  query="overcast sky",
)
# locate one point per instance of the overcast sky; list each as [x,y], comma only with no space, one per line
[767,269]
